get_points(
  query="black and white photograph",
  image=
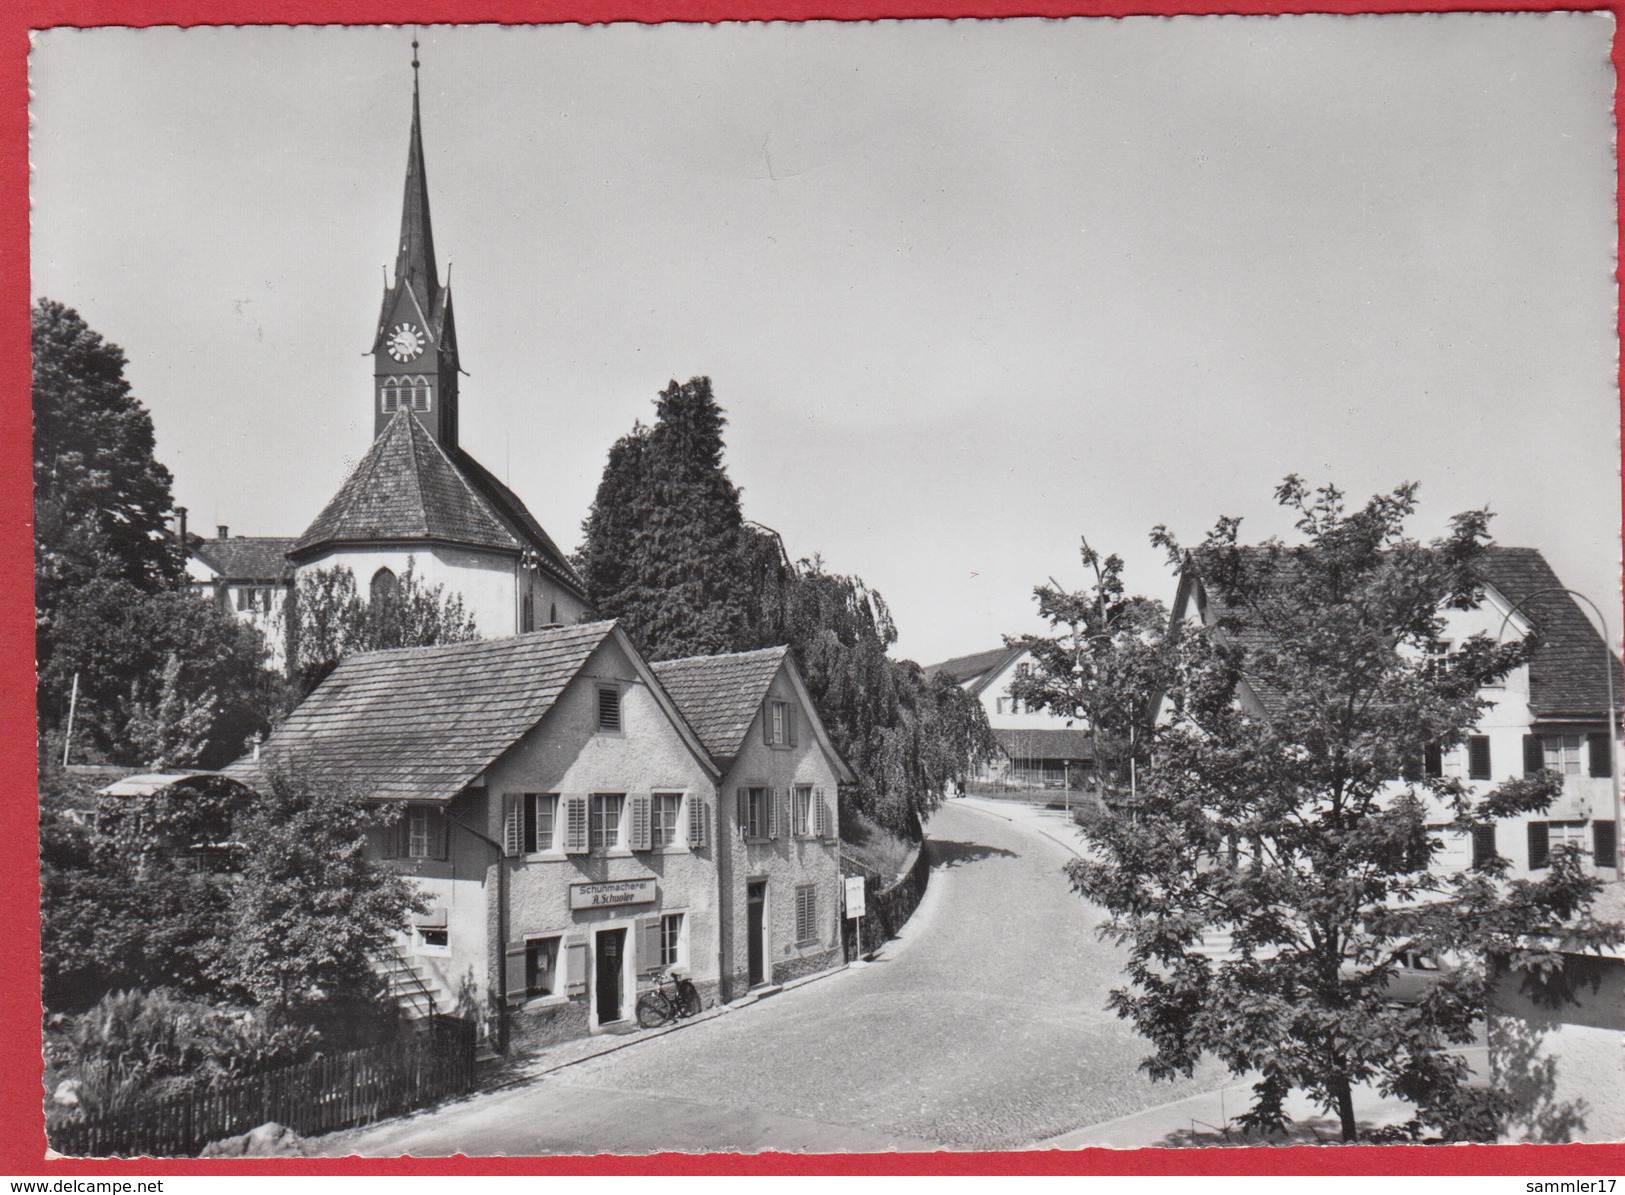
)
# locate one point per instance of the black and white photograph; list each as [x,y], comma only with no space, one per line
[827,587]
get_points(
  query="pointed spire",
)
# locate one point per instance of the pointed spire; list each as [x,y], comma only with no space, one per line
[415,261]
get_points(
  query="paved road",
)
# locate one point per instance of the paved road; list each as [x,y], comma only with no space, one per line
[983,1027]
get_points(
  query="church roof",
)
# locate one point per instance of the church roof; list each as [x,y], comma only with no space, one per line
[246,557]
[409,489]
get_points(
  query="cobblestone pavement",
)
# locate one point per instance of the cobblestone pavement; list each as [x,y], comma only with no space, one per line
[983,1027]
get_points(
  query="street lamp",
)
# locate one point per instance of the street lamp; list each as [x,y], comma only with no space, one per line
[1613,712]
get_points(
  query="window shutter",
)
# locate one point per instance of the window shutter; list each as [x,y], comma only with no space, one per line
[642,838]
[1604,844]
[510,824]
[1483,844]
[575,825]
[773,813]
[513,961]
[394,834]
[1599,755]
[696,821]
[575,967]
[1539,851]
[646,941]
[767,723]
[790,723]
[439,834]
[1534,754]
[832,828]
[742,800]
[1478,757]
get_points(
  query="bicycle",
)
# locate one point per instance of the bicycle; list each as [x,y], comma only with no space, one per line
[659,1005]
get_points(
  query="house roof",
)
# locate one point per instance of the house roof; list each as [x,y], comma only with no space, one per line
[719,695]
[408,488]
[976,671]
[1566,672]
[1060,743]
[247,557]
[421,723]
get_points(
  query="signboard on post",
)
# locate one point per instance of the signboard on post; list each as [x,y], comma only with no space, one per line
[854,897]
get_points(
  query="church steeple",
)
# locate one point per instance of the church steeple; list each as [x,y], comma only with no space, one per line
[415,347]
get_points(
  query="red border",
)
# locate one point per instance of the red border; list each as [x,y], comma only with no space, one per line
[22,1147]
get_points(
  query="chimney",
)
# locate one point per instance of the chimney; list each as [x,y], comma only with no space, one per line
[225,532]
[180,526]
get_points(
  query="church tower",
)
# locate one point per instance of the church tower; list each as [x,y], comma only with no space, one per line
[415,347]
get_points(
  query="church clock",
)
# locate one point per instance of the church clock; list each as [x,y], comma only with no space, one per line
[406,342]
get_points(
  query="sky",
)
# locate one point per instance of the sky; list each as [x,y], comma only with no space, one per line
[967,291]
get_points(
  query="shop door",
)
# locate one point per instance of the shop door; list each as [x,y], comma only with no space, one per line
[607,973]
[755,904]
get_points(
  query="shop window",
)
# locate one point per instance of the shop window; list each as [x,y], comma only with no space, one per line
[664,830]
[606,821]
[671,939]
[806,913]
[541,966]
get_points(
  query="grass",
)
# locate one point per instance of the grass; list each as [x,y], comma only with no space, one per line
[875,847]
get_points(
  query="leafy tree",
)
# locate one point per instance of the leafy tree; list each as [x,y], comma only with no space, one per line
[1107,653]
[1288,824]
[669,553]
[164,678]
[330,619]
[101,501]
[311,908]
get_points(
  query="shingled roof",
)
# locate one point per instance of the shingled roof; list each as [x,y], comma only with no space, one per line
[420,723]
[1058,743]
[980,668]
[246,557]
[1566,675]
[719,695]
[409,489]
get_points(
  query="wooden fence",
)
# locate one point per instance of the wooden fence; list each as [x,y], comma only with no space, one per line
[326,1093]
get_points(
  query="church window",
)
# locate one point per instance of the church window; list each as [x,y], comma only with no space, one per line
[527,613]
[386,587]
[419,388]
[391,397]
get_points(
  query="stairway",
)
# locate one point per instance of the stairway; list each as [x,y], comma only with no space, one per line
[415,993]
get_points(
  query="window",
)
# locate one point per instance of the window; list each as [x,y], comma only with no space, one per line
[1562,753]
[390,397]
[1432,761]
[779,728]
[1546,837]
[423,833]
[1483,844]
[386,587]
[754,812]
[609,708]
[419,389]
[1478,756]
[664,832]
[538,814]
[806,913]
[434,939]
[606,821]
[541,966]
[998,705]
[802,817]
[671,939]
[1605,844]
[527,613]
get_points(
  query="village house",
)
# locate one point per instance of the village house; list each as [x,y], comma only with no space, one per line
[1038,749]
[249,575]
[563,819]
[781,863]
[1551,713]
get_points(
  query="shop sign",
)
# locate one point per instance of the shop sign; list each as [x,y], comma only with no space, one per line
[612,892]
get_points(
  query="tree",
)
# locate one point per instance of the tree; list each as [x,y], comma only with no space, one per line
[165,679]
[101,500]
[666,549]
[669,553]
[1299,824]
[330,619]
[312,909]
[1108,653]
